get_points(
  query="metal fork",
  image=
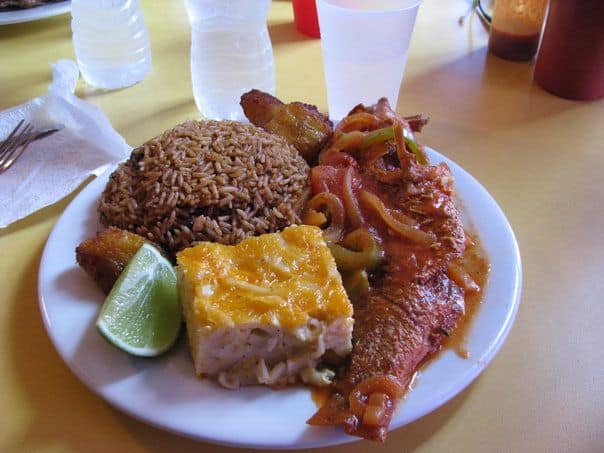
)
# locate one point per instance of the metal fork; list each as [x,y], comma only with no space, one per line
[17,142]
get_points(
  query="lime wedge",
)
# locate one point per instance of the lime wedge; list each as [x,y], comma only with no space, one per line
[141,313]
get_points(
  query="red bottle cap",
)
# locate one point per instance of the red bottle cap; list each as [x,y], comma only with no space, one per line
[305,17]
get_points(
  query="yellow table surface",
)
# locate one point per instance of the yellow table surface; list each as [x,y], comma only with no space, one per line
[540,156]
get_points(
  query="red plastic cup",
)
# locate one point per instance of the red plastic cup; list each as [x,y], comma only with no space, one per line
[305,17]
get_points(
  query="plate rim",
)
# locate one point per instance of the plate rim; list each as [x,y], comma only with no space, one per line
[468,377]
[36,13]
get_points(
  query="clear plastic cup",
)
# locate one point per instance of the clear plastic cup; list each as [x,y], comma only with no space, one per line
[365,48]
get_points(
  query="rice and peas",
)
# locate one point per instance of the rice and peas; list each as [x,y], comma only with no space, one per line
[218,181]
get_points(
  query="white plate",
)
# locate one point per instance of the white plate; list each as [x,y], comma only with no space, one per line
[36,13]
[165,392]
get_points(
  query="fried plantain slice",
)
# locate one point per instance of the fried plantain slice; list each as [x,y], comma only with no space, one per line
[105,256]
[302,125]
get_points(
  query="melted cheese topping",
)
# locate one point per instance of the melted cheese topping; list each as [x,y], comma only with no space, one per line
[279,279]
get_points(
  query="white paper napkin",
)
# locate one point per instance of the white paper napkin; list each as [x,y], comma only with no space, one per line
[51,168]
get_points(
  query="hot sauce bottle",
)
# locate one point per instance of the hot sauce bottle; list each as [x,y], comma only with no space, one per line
[570,63]
[516,28]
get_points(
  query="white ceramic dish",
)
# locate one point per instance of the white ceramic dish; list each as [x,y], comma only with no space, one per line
[30,14]
[165,392]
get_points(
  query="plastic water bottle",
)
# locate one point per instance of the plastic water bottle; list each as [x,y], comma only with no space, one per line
[231,53]
[111,42]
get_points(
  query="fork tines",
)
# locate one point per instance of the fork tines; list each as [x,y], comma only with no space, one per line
[15,144]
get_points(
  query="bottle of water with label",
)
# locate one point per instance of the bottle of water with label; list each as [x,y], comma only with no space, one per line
[111,42]
[231,53]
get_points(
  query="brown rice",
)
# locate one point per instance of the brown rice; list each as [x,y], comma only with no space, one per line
[206,180]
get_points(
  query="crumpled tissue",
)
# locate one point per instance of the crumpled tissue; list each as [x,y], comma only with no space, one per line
[54,166]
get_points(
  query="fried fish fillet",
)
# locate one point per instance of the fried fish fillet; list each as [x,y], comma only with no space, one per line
[105,256]
[412,303]
[302,125]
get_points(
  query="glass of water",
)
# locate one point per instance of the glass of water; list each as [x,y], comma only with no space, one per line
[364,50]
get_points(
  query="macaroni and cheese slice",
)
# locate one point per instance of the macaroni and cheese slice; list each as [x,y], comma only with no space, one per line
[266,310]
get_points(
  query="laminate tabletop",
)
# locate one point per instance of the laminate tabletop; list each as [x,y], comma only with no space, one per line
[540,156]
